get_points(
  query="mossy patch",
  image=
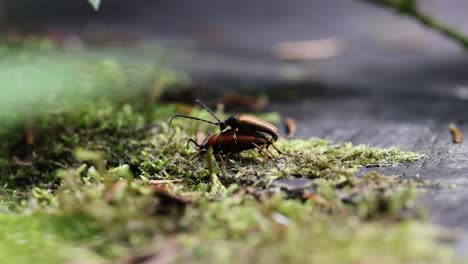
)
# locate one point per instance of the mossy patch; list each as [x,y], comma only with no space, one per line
[107,180]
[110,180]
[39,238]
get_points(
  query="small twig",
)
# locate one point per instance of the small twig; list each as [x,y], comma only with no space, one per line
[29,124]
[160,182]
[216,185]
[409,8]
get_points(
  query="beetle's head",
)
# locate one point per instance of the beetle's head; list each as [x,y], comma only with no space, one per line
[202,148]
[230,121]
[222,125]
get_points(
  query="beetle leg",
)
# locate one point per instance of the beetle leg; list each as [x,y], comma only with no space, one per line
[262,151]
[277,150]
[235,139]
[268,150]
[221,158]
[223,162]
[195,156]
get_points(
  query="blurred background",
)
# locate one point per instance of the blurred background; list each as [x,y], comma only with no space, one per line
[337,60]
[351,46]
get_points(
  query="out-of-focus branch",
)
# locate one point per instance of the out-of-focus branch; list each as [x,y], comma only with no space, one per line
[95,4]
[409,8]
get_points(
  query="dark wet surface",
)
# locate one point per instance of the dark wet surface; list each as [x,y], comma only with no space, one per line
[415,124]
[412,124]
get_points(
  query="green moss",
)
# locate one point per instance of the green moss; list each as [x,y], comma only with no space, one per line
[38,78]
[285,231]
[40,238]
[87,184]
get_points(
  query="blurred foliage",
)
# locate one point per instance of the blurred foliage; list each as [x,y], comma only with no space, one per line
[410,8]
[36,77]
[405,7]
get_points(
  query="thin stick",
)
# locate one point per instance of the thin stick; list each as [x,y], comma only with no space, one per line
[30,131]
[222,160]
[195,156]
[409,8]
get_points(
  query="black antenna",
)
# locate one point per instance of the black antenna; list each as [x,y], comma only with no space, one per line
[191,117]
[207,109]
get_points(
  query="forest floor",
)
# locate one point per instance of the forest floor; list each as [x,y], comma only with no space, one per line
[91,171]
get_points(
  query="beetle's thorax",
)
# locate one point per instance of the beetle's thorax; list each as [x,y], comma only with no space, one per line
[211,141]
[231,121]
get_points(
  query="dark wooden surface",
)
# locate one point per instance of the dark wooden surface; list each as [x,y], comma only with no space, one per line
[413,124]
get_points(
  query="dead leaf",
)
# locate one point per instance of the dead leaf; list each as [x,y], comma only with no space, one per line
[291,127]
[308,50]
[235,100]
[116,191]
[310,196]
[456,134]
[169,203]
[448,236]
[165,255]
[29,125]
[162,182]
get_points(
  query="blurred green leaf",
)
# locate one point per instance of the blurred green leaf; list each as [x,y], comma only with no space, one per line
[35,82]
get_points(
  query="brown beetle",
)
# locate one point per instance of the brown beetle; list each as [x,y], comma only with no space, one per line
[241,122]
[234,141]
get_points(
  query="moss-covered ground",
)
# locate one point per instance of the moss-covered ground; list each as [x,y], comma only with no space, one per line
[110,180]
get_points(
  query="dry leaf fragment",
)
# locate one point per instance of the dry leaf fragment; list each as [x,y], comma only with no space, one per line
[116,191]
[308,50]
[313,197]
[457,135]
[169,203]
[160,182]
[291,127]
[448,236]
[235,100]
[168,253]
